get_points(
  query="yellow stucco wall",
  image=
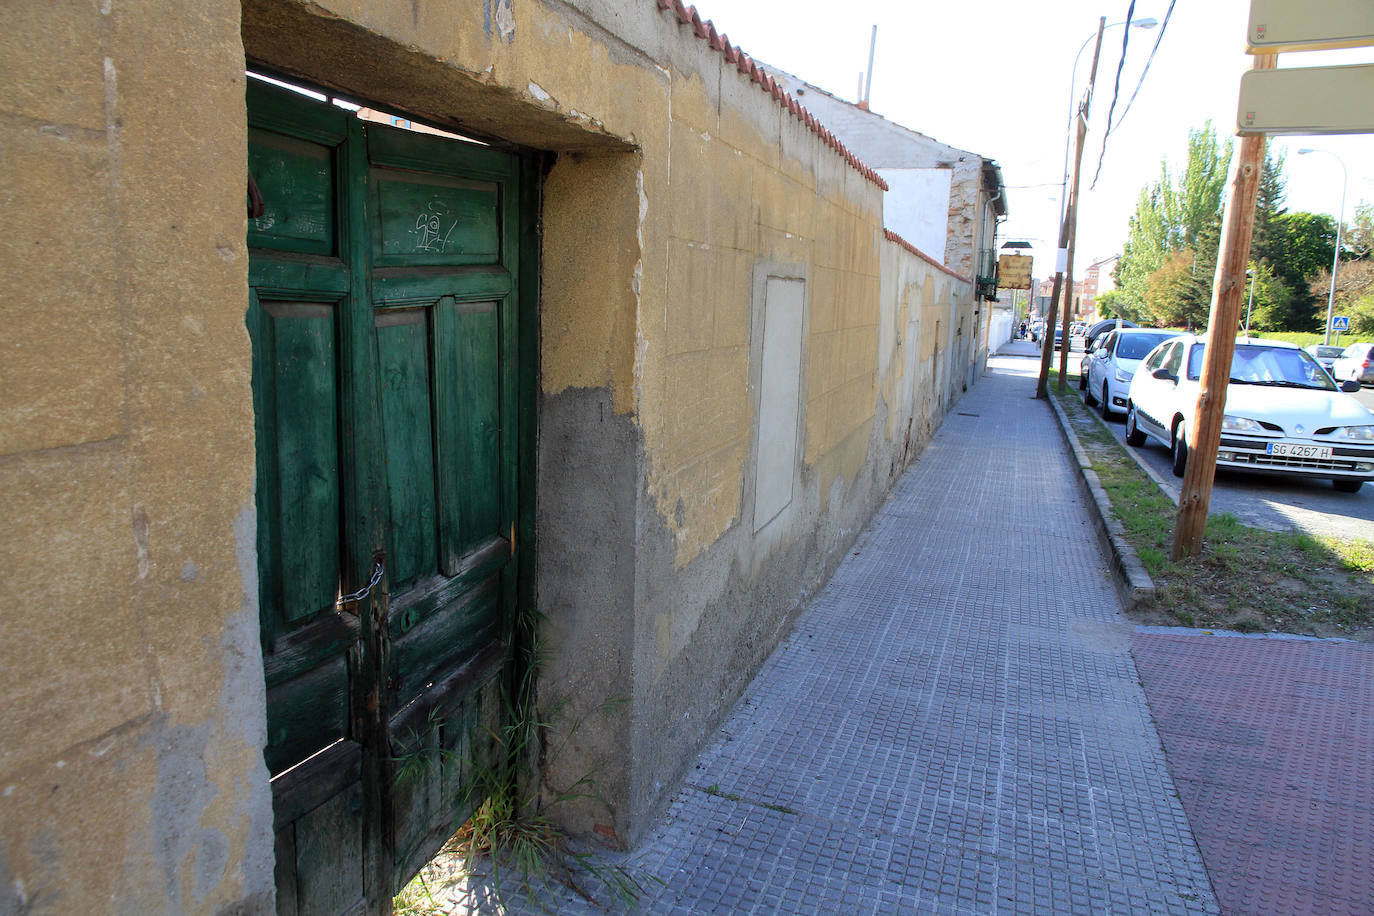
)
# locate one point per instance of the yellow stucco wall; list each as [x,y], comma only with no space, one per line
[695,173]
[921,303]
[130,723]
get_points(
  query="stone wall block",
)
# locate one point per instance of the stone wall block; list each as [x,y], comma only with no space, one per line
[710,408]
[60,301]
[56,81]
[72,642]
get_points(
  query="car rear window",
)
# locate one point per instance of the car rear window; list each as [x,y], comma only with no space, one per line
[1135,346]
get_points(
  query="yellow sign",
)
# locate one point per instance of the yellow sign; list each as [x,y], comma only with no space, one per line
[1014,271]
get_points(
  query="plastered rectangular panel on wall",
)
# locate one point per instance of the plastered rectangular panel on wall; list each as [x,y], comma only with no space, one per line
[779,396]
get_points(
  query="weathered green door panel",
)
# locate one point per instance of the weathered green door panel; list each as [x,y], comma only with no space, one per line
[440,752]
[471,452]
[305,713]
[296,405]
[403,355]
[408,286]
[457,630]
[329,848]
[413,607]
[296,180]
[290,113]
[385,380]
[304,368]
[434,220]
[285,276]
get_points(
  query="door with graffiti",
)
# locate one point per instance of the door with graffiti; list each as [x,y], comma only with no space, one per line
[387,351]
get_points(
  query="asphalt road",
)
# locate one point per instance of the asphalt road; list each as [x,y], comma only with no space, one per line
[1264,501]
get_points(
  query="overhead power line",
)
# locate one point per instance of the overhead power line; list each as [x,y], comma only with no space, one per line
[1148,61]
[1116,90]
[1164,26]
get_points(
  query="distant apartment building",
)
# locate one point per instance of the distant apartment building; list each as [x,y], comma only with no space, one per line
[1097,279]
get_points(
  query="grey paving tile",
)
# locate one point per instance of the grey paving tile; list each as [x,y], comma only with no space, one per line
[954,726]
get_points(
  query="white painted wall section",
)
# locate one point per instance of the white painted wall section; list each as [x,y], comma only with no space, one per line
[916,207]
[779,397]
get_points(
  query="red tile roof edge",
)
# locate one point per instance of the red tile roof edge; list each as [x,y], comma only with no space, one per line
[894,237]
[706,30]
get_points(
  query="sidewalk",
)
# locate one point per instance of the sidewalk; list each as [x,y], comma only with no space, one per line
[955,726]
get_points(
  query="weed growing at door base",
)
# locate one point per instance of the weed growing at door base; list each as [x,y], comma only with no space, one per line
[1245,579]
[509,844]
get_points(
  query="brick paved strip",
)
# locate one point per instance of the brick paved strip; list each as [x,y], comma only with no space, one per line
[1271,745]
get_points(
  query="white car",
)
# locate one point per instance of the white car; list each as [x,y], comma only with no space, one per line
[1356,362]
[1108,369]
[1283,415]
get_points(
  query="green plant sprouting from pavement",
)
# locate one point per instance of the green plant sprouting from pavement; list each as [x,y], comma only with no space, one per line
[1245,579]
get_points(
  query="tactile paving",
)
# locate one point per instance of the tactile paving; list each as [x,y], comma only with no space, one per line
[954,726]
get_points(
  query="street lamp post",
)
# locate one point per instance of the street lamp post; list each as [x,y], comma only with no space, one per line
[1336,259]
[1063,276]
[1073,78]
[1251,275]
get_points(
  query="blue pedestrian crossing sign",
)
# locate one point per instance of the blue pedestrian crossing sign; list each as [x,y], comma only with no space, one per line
[1340,323]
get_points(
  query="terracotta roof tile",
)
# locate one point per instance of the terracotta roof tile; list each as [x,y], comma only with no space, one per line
[894,237]
[688,15]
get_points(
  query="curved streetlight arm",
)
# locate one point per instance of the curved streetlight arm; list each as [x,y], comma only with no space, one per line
[1073,102]
[1335,258]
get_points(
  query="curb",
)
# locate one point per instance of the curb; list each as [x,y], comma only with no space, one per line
[1133,583]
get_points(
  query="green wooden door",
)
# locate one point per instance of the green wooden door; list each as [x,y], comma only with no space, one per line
[383,316]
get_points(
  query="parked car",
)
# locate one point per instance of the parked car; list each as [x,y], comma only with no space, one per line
[1283,414]
[1355,363]
[1109,368]
[1058,336]
[1097,329]
[1324,354]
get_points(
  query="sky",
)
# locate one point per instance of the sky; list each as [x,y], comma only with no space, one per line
[993,77]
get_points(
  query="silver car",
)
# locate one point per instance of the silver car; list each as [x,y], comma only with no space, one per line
[1108,369]
[1325,354]
[1355,363]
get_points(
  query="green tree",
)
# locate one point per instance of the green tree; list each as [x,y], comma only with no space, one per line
[1268,241]
[1303,244]
[1145,248]
[1354,296]
[1269,300]
[1174,293]
[1196,204]
[1111,305]
[1358,244]
[1175,216]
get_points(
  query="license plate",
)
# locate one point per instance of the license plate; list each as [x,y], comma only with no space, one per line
[1290,450]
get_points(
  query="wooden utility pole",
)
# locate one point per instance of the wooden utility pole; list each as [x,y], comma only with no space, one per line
[1228,292]
[1066,232]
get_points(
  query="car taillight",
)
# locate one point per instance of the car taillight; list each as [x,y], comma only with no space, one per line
[1364,365]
